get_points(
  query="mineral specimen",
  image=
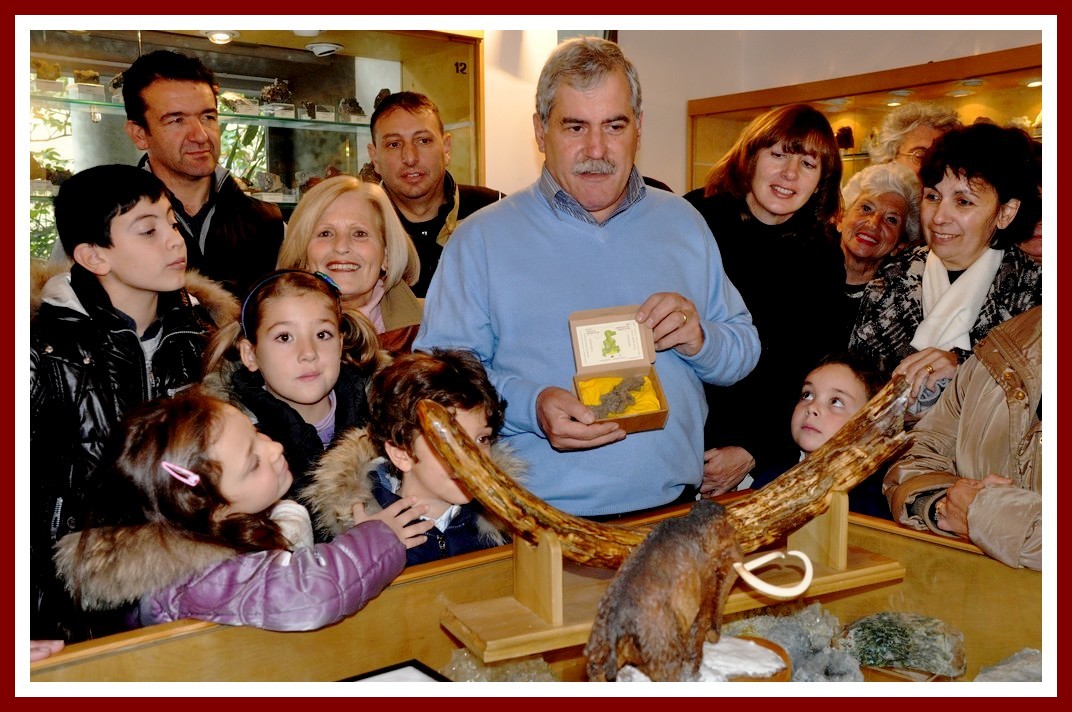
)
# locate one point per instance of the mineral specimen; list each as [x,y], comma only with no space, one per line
[905,640]
[86,76]
[618,398]
[1024,666]
[45,70]
[278,92]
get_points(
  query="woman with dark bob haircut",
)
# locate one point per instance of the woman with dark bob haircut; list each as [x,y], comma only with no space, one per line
[922,313]
[771,202]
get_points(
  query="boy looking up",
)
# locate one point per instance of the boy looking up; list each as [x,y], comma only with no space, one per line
[833,392]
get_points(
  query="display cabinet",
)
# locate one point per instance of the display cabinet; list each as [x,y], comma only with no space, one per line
[998,609]
[1001,87]
[276,149]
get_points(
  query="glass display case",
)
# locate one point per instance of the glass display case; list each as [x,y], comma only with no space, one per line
[276,148]
[1002,87]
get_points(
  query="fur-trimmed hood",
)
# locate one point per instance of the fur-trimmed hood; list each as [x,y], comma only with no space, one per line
[50,281]
[107,567]
[341,478]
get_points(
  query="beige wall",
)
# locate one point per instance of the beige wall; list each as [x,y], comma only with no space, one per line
[678,65]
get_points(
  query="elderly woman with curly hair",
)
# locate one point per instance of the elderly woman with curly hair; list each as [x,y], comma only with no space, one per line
[348,230]
[771,203]
[880,218]
[922,313]
[909,130]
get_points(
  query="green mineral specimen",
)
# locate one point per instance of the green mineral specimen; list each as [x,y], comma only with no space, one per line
[905,640]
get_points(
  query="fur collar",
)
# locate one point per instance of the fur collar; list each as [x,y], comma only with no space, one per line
[109,566]
[341,478]
[222,306]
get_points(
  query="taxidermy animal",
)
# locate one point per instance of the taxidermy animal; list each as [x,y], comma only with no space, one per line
[669,593]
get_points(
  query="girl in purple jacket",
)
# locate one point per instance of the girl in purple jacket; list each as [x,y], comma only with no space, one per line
[188,525]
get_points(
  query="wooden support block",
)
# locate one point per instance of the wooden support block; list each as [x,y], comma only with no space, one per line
[825,538]
[538,577]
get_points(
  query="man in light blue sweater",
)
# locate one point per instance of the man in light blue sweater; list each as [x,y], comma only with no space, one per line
[589,235]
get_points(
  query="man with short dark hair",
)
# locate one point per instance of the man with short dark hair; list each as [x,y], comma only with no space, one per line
[411,151]
[172,115]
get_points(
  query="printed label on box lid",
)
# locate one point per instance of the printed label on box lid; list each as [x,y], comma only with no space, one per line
[607,339]
[610,342]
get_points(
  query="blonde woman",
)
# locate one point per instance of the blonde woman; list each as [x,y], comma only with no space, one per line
[348,230]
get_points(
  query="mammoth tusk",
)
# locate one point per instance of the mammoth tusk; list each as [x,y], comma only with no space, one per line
[744,570]
[582,540]
[872,436]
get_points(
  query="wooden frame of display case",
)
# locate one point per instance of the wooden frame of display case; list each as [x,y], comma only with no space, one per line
[998,609]
[554,602]
[989,63]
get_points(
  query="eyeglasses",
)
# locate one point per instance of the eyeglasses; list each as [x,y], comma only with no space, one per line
[915,156]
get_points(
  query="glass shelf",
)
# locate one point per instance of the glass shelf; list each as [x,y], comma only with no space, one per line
[60,103]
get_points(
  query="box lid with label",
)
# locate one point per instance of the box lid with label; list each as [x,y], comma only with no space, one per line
[611,343]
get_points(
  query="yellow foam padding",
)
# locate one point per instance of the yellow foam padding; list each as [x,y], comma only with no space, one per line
[646,400]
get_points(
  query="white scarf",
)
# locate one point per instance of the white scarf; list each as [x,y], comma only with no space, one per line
[950,310]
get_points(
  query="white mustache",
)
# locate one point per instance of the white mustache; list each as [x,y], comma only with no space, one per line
[594,165]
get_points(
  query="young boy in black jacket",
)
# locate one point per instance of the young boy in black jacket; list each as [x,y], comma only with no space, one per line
[119,326]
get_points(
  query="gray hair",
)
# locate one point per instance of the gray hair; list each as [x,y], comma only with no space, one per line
[888,178]
[904,119]
[583,63]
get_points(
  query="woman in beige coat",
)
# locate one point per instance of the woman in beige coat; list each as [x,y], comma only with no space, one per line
[974,467]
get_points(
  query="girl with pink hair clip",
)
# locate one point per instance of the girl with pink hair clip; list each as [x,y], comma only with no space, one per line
[185,526]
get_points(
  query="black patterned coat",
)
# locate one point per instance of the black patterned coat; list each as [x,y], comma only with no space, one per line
[892,305]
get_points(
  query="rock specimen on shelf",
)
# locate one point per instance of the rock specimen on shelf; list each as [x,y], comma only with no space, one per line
[86,76]
[44,69]
[905,640]
[350,106]
[278,92]
[806,634]
[1024,666]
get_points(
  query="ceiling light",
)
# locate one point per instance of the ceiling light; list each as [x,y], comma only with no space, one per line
[958,93]
[1034,83]
[220,37]
[323,49]
[306,33]
[972,83]
[893,103]
[901,92]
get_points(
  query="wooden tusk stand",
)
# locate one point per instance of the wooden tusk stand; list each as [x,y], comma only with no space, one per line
[555,601]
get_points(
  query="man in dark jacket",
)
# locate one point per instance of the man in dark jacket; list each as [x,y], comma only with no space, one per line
[171,109]
[411,152]
[118,329]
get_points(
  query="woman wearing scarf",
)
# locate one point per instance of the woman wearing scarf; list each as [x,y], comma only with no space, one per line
[922,313]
